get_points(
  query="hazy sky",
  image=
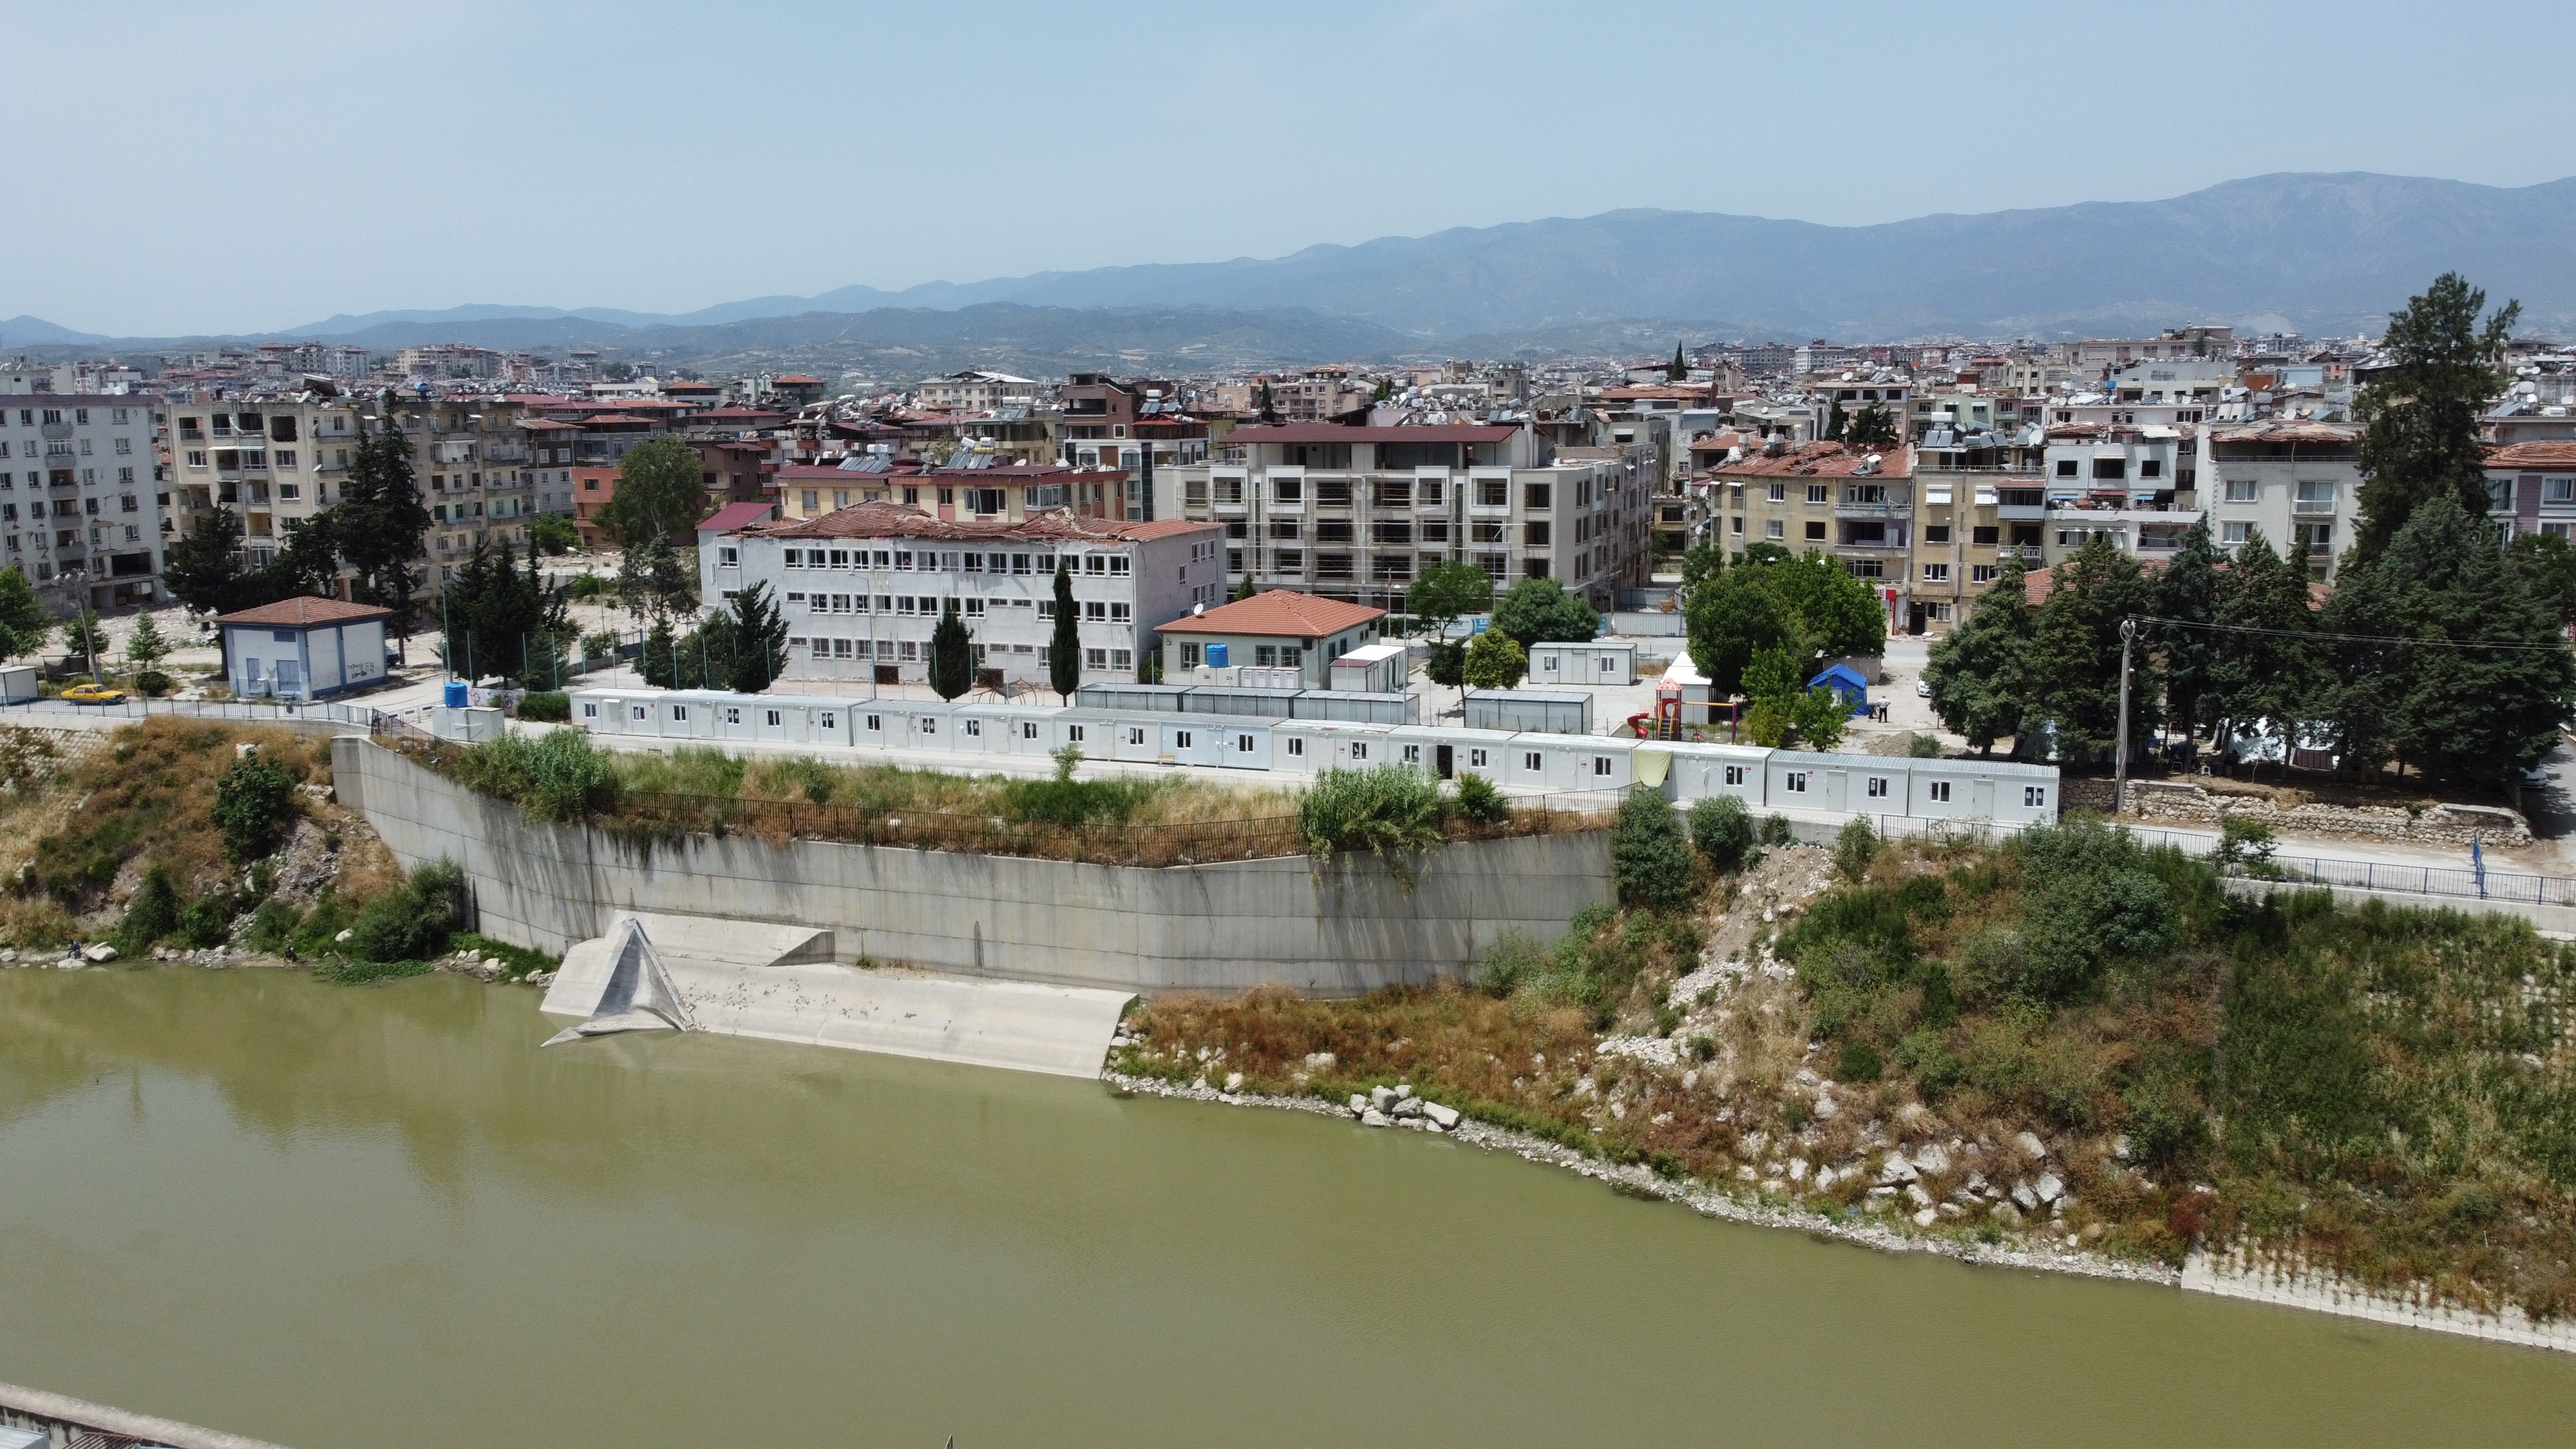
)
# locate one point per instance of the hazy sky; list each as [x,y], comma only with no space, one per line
[207,167]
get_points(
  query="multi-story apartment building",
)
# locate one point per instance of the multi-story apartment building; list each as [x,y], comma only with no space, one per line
[1356,513]
[2132,486]
[2098,357]
[2531,488]
[275,461]
[999,493]
[862,587]
[1977,502]
[1319,395]
[978,391]
[80,497]
[2297,481]
[1854,505]
[473,463]
[1135,426]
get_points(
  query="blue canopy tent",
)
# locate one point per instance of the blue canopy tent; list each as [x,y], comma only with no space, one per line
[1847,684]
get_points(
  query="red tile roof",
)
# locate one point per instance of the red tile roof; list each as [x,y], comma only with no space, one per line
[2547,453]
[737,515]
[796,379]
[1818,460]
[304,612]
[1279,613]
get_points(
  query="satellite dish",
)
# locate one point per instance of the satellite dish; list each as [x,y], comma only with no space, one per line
[1197,609]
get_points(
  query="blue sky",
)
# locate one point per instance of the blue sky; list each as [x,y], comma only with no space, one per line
[239,168]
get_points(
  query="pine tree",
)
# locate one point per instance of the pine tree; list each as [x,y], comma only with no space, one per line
[2267,667]
[2420,439]
[952,654]
[1064,643]
[2411,689]
[759,640]
[1677,370]
[2187,597]
[1979,673]
[147,646]
[379,525]
[2075,653]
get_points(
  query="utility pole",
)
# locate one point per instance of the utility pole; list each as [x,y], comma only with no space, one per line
[2120,767]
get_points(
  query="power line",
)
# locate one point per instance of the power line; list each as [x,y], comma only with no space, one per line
[2346,638]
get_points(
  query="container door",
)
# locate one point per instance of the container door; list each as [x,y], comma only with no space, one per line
[1445,759]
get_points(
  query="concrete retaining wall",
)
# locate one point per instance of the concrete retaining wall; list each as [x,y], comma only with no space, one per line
[2242,1274]
[1337,929]
[2187,802]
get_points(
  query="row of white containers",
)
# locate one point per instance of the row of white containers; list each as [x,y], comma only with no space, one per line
[1953,789]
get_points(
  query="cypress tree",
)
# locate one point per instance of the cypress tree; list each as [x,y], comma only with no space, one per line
[1064,645]
[2075,653]
[952,654]
[759,640]
[2420,438]
[2187,595]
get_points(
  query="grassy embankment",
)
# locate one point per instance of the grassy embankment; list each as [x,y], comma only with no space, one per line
[2386,1092]
[1166,819]
[126,839]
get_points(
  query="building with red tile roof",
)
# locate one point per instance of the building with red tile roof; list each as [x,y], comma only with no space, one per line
[1277,629]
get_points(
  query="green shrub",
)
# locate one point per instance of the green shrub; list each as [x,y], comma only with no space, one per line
[317,934]
[153,914]
[272,927]
[1481,800]
[251,804]
[560,777]
[519,960]
[2093,898]
[415,920]
[1065,801]
[205,923]
[1775,830]
[1387,811]
[1648,857]
[1923,747]
[2245,846]
[154,684]
[1513,960]
[1859,1062]
[550,706]
[1722,828]
[1855,850]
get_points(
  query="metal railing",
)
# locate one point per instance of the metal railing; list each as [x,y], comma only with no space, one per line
[2470,882]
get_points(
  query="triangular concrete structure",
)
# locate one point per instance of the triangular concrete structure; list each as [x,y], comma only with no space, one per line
[639,995]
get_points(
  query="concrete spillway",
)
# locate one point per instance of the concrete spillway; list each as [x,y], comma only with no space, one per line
[780,983]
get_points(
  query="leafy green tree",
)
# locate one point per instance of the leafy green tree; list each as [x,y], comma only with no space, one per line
[759,640]
[1979,673]
[1762,554]
[660,494]
[1722,827]
[1840,615]
[1446,663]
[553,534]
[2187,598]
[1241,591]
[1872,428]
[952,654]
[655,581]
[1540,611]
[1730,619]
[203,569]
[1772,674]
[147,646]
[1648,856]
[1064,642]
[2420,438]
[2075,652]
[2449,662]
[2547,564]
[25,624]
[1701,562]
[83,639]
[1819,716]
[1494,661]
[1448,591]
[379,526]
[252,802]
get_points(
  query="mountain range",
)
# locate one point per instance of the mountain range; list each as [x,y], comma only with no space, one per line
[2325,254]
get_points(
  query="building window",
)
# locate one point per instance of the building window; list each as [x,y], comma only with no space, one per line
[2232,534]
[1735,774]
[1359,749]
[1771,528]
[1984,535]
[1475,759]
[1601,766]
[1878,787]
[1981,573]
[1532,762]
[1936,573]
[1796,782]
[2558,490]
[1820,493]
[2034,797]
[1296,748]
[1815,530]
[2240,490]
[1938,791]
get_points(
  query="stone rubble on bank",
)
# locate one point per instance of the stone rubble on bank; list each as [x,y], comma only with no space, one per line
[2052,1255]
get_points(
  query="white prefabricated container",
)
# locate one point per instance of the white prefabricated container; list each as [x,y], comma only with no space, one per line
[17,683]
[1573,666]
[1371,669]
[1513,710]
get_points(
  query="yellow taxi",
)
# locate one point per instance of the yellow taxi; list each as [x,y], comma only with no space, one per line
[94,694]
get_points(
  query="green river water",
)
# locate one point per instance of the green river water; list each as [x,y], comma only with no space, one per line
[381,1217]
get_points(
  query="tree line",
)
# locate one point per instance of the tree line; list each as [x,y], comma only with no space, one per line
[2440,649]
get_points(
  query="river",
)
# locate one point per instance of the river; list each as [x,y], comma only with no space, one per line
[380,1217]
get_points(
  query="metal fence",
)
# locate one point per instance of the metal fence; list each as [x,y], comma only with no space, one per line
[2425,880]
[245,711]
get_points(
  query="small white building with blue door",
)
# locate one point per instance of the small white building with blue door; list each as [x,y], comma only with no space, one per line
[304,648]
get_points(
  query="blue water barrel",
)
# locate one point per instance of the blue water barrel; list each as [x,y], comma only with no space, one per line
[457,697]
[1216,656]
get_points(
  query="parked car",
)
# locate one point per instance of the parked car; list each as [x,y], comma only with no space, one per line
[94,694]
[1923,689]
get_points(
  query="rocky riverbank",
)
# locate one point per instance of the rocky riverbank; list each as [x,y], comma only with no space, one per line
[1636,1180]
